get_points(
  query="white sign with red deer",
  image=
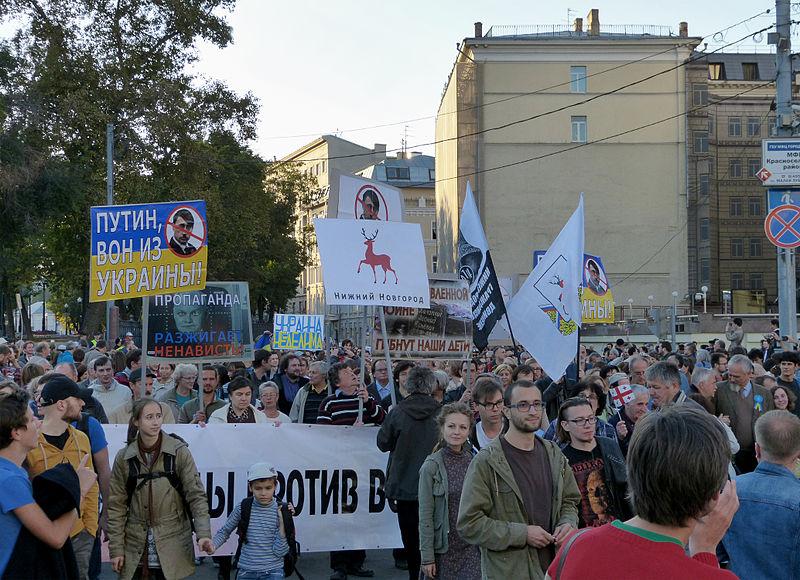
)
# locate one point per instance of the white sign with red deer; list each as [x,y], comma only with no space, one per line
[373,263]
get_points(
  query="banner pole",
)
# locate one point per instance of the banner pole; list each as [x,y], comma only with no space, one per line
[145,324]
[385,336]
[361,381]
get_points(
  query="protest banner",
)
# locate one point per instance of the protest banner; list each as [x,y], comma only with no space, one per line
[334,476]
[298,332]
[372,263]
[442,331]
[147,249]
[209,325]
[365,199]
[597,300]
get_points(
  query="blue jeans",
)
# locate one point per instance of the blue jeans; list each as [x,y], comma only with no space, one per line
[251,575]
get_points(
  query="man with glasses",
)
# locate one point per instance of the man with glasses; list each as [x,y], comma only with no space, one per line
[520,500]
[597,464]
[489,400]
[379,389]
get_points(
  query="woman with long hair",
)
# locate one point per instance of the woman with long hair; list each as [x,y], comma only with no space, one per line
[156,501]
[444,553]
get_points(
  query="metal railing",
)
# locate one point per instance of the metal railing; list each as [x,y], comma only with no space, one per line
[565,30]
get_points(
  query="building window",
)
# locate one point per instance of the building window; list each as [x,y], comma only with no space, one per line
[737,248]
[699,94]
[579,129]
[735,168]
[577,79]
[700,142]
[704,230]
[753,165]
[737,281]
[398,173]
[735,206]
[750,71]
[716,71]
[433,230]
[754,204]
[431,175]
[756,281]
[324,166]
[755,247]
[705,272]
[434,264]
[703,187]
[710,125]
[734,127]
[753,127]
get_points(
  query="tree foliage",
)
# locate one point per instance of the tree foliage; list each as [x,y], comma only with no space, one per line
[71,68]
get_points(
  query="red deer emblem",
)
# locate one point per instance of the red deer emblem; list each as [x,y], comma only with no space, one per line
[372,259]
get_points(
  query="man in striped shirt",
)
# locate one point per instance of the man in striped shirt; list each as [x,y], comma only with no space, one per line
[341,408]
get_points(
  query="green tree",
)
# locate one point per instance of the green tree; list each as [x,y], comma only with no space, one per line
[81,64]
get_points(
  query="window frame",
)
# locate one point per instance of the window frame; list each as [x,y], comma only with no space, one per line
[576,121]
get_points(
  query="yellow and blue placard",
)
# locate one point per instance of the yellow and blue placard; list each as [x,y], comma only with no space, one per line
[146,249]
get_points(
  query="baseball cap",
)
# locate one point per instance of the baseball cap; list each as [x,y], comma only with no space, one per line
[59,388]
[261,471]
[129,334]
[61,347]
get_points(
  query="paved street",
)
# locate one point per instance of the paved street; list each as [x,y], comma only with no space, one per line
[313,566]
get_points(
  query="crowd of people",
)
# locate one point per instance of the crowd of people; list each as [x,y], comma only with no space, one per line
[676,456]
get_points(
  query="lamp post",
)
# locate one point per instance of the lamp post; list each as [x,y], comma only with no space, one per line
[630,308]
[704,290]
[674,319]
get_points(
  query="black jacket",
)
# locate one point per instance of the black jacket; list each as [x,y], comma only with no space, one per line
[614,420]
[284,405]
[409,433]
[57,491]
[616,476]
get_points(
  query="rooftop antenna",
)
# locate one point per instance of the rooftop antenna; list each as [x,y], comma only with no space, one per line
[404,141]
[570,12]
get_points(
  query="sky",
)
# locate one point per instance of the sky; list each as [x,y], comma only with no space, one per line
[337,66]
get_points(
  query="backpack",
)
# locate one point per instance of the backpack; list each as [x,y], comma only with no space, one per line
[290,559]
[137,479]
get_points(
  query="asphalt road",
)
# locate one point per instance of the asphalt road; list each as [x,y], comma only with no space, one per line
[312,565]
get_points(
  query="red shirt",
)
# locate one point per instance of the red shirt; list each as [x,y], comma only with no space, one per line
[621,552]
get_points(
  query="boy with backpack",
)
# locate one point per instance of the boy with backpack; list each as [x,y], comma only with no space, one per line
[263,525]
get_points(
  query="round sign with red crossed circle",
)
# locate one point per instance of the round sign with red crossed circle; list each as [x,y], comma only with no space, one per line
[782,226]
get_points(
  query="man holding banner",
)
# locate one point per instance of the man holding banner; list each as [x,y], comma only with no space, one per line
[344,408]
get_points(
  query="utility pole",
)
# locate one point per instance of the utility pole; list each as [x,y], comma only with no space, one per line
[787,290]
[109,201]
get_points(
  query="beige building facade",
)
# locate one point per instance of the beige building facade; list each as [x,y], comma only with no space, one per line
[513,121]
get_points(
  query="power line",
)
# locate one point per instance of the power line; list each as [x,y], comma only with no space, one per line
[517,96]
[688,61]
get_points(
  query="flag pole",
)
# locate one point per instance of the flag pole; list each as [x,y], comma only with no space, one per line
[513,340]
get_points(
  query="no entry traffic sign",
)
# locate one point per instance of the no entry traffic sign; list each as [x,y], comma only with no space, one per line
[782,226]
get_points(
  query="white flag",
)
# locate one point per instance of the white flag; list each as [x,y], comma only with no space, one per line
[546,312]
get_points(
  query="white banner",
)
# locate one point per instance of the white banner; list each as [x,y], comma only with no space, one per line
[372,263]
[333,475]
[366,199]
[546,311]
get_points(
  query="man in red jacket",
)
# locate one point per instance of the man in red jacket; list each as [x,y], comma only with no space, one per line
[677,464]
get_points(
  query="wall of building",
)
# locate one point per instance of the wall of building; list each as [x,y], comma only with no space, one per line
[634,184]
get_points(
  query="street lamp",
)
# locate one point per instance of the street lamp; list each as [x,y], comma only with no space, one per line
[704,290]
[674,319]
[630,308]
